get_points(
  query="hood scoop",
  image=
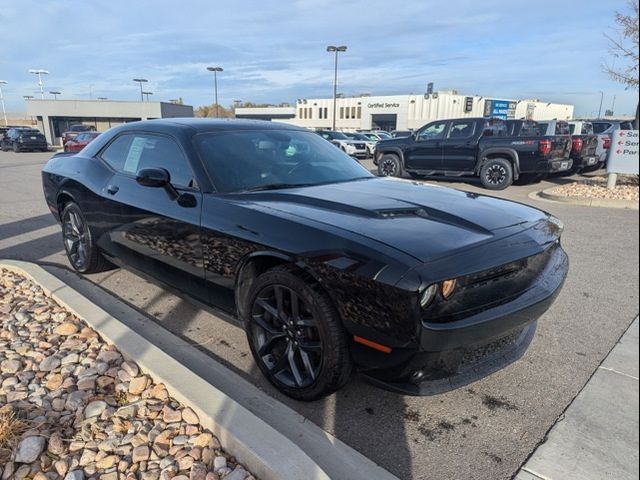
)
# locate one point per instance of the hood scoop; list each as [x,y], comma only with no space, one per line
[402,212]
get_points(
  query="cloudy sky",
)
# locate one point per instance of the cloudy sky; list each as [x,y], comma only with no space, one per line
[275,51]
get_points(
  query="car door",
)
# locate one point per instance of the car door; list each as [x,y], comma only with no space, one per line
[153,231]
[459,147]
[424,150]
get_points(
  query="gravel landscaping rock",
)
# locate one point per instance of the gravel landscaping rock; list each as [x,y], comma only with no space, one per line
[88,413]
[596,187]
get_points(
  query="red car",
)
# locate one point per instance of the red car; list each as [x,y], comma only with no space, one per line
[80,141]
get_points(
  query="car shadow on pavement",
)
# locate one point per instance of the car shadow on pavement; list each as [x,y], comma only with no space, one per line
[35,249]
[25,225]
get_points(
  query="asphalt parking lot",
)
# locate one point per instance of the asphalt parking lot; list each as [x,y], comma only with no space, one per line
[483,431]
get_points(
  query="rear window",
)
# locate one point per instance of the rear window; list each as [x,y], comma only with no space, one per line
[531,129]
[29,132]
[626,126]
[562,128]
[599,127]
[587,128]
[495,127]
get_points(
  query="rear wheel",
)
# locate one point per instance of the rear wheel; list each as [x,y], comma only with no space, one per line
[82,252]
[496,174]
[296,336]
[390,166]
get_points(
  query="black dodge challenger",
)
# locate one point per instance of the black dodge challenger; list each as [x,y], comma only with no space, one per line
[421,288]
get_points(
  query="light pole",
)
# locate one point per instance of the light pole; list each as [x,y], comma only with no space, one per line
[141,81]
[55,94]
[336,50]
[4,112]
[40,72]
[147,94]
[601,98]
[215,71]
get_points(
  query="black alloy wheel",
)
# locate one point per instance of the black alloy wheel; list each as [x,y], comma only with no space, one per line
[16,147]
[390,166]
[83,254]
[296,336]
[496,174]
[286,336]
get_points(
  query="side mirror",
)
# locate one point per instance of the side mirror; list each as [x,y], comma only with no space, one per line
[157,178]
[153,177]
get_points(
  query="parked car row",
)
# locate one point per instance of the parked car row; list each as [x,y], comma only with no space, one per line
[497,151]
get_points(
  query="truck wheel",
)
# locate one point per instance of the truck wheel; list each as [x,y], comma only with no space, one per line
[296,336]
[16,147]
[390,166]
[496,174]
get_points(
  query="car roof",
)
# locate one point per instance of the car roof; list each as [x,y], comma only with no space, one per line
[211,124]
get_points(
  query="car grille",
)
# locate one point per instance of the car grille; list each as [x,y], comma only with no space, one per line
[479,353]
[489,288]
[359,146]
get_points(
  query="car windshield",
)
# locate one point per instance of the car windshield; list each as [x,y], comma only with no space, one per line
[356,136]
[337,136]
[272,159]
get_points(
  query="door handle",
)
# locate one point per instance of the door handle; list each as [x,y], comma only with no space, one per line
[112,189]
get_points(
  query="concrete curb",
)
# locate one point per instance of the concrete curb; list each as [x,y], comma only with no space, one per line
[589,202]
[266,452]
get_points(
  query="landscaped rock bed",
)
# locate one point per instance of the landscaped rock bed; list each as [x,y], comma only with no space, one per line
[596,187]
[72,408]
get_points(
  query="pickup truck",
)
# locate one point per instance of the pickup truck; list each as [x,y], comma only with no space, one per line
[478,147]
[586,150]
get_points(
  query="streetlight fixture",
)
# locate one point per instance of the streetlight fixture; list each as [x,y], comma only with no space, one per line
[147,94]
[40,72]
[4,112]
[141,81]
[55,94]
[215,71]
[601,98]
[336,50]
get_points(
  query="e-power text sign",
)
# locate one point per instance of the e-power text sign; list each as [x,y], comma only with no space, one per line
[623,153]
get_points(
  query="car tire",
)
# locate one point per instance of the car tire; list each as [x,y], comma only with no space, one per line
[277,331]
[5,147]
[16,147]
[496,174]
[390,165]
[82,252]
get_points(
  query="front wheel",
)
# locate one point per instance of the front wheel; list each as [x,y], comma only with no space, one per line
[496,174]
[16,148]
[82,252]
[390,166]
[296,336]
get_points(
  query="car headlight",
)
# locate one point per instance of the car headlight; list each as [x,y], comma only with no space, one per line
[558,223]
[428,295]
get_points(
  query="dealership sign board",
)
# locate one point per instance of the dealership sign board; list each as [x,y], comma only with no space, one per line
[623,153]
[500,109]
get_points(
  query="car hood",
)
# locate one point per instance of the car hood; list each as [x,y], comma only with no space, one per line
[423,220]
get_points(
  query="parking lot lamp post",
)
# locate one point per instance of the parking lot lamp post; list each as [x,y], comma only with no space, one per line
[141,81]
[55,94]
[215,71]
[336,50]
[40,72]
[4,112]
[601,98]
[147,94]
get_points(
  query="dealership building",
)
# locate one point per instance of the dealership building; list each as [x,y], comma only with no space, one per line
[55,116]
[404,112]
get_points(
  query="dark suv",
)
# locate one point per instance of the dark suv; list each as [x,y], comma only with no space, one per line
[24,139]
[475,147]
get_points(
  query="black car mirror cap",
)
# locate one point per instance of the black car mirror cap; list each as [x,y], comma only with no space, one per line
[156,178]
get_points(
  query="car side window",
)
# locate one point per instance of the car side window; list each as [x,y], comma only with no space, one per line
[433,131]
[131,152]
[462,129]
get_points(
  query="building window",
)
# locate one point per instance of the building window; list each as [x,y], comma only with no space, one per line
[359,112]
[353,112]
[341,112]
[300,110]
[310,112]
[326,112]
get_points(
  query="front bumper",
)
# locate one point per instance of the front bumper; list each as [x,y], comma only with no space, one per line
[457,353]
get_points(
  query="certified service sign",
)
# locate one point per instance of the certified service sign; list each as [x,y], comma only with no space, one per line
[623,153]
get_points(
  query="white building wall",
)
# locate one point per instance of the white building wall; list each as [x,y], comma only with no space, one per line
[412,111]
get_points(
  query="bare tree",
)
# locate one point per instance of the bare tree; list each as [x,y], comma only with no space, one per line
[625,46]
